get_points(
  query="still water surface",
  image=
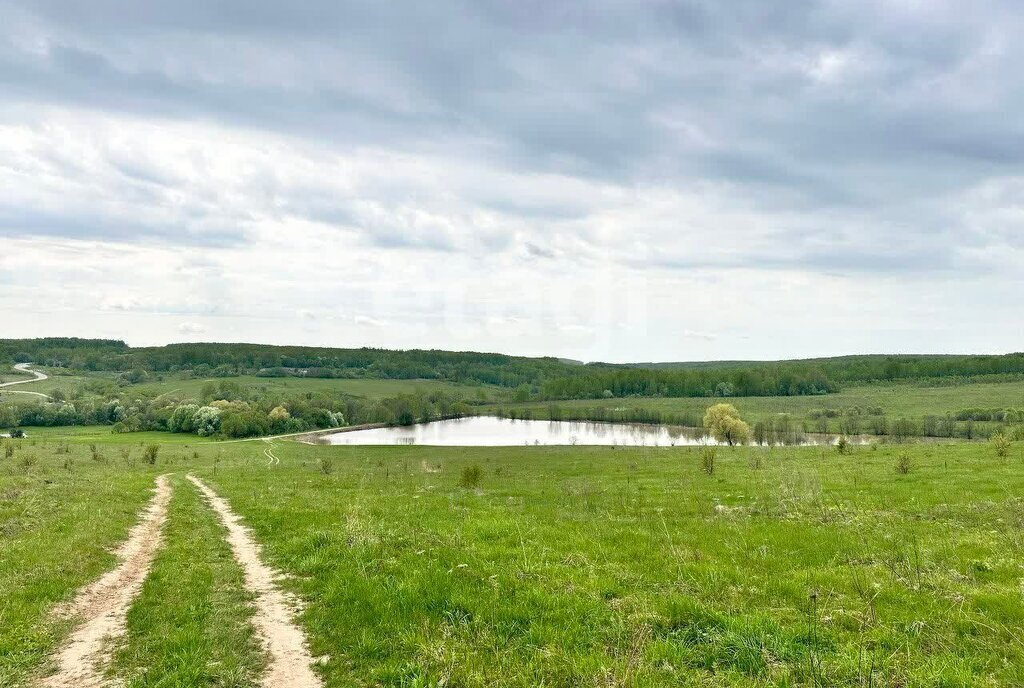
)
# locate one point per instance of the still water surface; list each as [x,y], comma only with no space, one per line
[488,431]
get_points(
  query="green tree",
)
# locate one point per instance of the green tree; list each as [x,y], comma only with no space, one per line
[183,419]
[725,424]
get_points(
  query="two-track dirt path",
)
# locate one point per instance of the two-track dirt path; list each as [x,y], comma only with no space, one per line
[290,665]
[102,606]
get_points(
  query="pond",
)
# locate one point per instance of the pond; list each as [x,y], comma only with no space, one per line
[488,431]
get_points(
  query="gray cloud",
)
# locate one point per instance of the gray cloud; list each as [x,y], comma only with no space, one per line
[817,138]
[575,90]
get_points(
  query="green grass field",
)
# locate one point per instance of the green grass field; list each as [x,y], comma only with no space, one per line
[181,387]
[895,400]
[58,379]
[557,566]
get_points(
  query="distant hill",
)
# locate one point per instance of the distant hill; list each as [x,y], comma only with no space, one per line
[543,377]
[849,358]
[691,365]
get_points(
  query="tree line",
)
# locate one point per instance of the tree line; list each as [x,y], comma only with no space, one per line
[532,378]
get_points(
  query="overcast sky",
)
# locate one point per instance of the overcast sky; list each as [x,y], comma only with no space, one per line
[608,180]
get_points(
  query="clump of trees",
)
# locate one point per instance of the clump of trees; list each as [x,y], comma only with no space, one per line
[227,409]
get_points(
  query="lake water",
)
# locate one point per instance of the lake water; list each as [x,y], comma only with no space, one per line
[488,431]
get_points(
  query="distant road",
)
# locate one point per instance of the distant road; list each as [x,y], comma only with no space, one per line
[24,368]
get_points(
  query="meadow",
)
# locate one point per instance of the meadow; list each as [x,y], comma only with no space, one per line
[911,400]
[181,386]
[561,566]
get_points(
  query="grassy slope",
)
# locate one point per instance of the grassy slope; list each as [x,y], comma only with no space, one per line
[568,566]
[186,387]
[582,566]
[59,516]
[65,383]
[102,434]
[895,400]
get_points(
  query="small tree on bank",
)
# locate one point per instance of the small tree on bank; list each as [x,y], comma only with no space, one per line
[724,423]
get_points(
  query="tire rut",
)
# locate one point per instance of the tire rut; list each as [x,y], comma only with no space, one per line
[102,606]
[289,664]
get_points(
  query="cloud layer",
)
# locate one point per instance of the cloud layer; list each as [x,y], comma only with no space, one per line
[655,180]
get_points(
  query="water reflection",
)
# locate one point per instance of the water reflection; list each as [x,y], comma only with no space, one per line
[488,431]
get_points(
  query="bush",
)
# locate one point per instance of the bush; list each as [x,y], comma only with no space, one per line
[471,476]
[244,424]
[1001,443]
[903,464]
[326,466]
[707,460]
[149,454]
[183,418]
[206,421]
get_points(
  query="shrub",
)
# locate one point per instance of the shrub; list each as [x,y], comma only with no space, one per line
[471,476]
[707,460]
[843,445]
[903,464]
[149,454]
[1002,445]
[326,466]
[183,418]
[206,420]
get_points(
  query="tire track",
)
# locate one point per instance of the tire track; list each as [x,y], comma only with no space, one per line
[102,606]
[290,665]
[272,459]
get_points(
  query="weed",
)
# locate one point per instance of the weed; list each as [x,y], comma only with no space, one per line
[903,464]
[326,466]
[149,454]
[471,476]
[1001,443]
[707,460]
